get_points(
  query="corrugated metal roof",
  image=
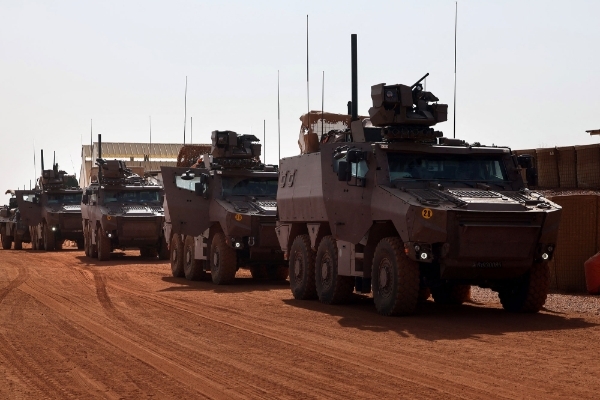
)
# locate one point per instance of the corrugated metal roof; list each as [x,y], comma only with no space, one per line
[138,150]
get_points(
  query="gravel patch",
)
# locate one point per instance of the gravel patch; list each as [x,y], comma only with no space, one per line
[556,302]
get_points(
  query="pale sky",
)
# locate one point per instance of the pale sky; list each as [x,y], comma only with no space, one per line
[527,70]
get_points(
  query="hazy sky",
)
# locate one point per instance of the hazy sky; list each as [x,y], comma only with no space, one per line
[527,70]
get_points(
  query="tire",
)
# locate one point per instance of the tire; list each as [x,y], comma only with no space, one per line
[163,251]
[278,273]
[302,269]
[59,245]
[395,279]
[103,243]
[223,260]
[49,238]
[192,268]
[86,241]
[176,256]
[80,244]
[18,242]
[528,293]
[259,272]
[6,242]
[451,294]
[331,287]
[34,242]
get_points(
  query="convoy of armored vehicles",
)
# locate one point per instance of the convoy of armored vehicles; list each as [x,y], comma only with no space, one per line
[387,206]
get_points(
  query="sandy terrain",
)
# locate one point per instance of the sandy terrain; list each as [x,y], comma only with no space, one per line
[71,327]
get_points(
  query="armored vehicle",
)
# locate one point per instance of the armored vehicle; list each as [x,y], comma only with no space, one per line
[222,213]
[52,209]
[390,204]
[12,227]
[122,210]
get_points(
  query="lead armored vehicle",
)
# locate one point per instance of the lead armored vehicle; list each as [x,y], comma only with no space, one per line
[222,213]
[12,227]
[122,210]
[52,209]
[391,205]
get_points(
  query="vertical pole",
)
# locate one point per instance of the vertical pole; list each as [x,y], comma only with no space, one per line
[323,105]
[191,130]
[307,79]
[278,122]
[354,77]
[184,110]
[455,23]
[265,141]
[150,149]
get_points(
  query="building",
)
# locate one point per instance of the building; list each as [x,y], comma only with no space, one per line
[149,156]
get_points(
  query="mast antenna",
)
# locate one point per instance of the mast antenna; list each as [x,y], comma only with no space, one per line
[184,110]
[455,24]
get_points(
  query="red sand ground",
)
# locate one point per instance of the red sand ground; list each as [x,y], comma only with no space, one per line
[71,327]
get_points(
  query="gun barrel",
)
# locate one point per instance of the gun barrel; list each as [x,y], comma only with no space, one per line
[420,80]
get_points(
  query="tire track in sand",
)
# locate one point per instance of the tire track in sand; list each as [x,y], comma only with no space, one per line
[22,276]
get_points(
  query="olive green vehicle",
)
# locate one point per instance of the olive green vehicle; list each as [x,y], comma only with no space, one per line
[122,210]
[12,227]
[390,205]
[52,209]
[222,213]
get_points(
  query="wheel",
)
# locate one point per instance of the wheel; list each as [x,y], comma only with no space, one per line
[59,245]
[395,279]
[529,292]
[6,242]
[80,244]
[103,243]
[86,241]
[223,260]
[302,269]
[192,268]
[93,248]
[177,256]
[451,294]
[259,272]
[424,294]
[163,251]
[18,242]
[331,287]
[49,239]
[278,273]
[34,242]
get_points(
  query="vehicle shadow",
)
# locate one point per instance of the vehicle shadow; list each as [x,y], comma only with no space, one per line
[434,322]
[119,259]
[239,285]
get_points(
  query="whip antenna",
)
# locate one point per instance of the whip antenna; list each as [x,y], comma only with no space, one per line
[265,140]
[278,122]
[307,80]
[455,20]
[323,104]
[184,110]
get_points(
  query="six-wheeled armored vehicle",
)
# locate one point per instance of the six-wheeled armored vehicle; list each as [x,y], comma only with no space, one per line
[390,204]
[12,227]
[222,213]
[52,210]
[122,210]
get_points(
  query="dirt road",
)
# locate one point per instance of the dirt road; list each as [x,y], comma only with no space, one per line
[71,327]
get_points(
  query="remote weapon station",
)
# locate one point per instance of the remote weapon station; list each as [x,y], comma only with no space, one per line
[122,210]
[52,210]
[392,206]
[222,212]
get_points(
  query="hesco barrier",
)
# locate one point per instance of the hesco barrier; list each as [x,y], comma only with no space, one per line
[567,167]
[577,241]
[547,161]
[588,166]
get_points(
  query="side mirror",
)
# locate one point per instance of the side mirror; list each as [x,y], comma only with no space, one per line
[84,198]
[532,177]
[343,171]
[355,156]
[525,161]
[35,200]
[188,175]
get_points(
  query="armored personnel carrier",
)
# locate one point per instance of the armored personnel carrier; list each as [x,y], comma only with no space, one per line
[52,209]
[222,213]
[392,205]
[122,210]
[12,227]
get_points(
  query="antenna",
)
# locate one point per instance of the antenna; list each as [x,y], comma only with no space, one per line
[354,104]
[34,164]
[265,140]
[54,160]
[278,122]
[455,20]
[323,104]
[99,157]
[184,110]
[307,86]
[191,130]
[42,158]
[150,149]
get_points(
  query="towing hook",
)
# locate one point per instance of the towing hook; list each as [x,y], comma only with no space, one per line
[251,241]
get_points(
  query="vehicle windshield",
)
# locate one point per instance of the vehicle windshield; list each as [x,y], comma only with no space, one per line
[451,167]
[64,198]
[131,196]
[250,187]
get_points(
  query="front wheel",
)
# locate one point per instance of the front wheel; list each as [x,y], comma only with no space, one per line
[192,268]
[18,242]
[163,250]
[177,256]
[49,238]
[395,279]
[6,242]
[103,242]
[528,293]
[223,260]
